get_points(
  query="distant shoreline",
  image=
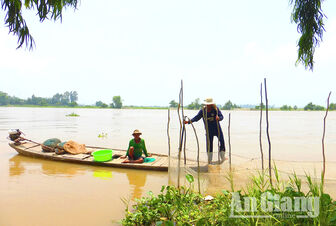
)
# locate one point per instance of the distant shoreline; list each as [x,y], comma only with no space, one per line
[148,107]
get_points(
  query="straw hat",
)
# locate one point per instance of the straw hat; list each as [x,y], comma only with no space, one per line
[136,132]
[208,101]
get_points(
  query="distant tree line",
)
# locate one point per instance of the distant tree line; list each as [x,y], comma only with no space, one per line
[196,104]
[309,107]
[65,99]
[230,106]
[116,103]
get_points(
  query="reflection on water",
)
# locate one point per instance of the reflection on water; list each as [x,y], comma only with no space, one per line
[19,164]
[137,179]
[102,174]
[97,191]
[15,166]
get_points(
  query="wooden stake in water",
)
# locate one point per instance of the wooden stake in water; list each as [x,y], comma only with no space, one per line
[324,125]
[260,122]
[168,131]
[268,137]
[198,160]
[180,142]
[182,133]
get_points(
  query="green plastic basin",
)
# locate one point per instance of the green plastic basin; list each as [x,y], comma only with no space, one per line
[102,155]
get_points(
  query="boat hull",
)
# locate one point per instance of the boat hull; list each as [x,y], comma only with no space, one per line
[34,150]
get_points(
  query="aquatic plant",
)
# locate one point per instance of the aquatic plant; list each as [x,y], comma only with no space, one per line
[102,135]
[182,206]
[73,114]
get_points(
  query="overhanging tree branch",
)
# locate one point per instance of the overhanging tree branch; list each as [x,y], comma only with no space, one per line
[308,16]
[45,9]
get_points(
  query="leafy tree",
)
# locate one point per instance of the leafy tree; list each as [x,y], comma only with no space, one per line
[173,104]
[229,106]
[4,99]
[312,107]
[116,102]
[45,10]
[308,16]
[195,105]
[295,107]
[73,97]
[332,106]
[15,101]
[56,99]
[101,104]
[286,108]
[65,100]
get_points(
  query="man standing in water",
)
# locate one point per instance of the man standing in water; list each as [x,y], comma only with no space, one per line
[211,116]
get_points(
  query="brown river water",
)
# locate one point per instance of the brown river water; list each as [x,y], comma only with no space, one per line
[42,192]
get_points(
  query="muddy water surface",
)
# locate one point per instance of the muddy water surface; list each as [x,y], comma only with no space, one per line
[41,192]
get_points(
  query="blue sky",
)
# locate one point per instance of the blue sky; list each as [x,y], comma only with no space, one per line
[141,50]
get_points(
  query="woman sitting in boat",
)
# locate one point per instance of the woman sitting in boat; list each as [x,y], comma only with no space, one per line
[135,148]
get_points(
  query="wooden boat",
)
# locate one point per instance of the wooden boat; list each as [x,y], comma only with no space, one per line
[33,149]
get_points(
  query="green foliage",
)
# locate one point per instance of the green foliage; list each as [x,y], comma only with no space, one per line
[190,178]
[73,114]
[229,106]
[116,102]
[101,104]
[8,100]
[102,135]
[313,107]
[45,10]
[287,108]
[66,99]
[308,16]
[4,99]
[182,206]
[332,106]
[195,105]
[257,107]
[173,104]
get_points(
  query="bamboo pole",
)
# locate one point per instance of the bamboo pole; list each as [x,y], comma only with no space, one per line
[198,154]
[184,143]
[260,122]
[268,137]
[168,131]
[183,126]
[229,139]
[180,142]
[324,125]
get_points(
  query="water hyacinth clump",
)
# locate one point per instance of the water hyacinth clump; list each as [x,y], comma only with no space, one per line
[102,135]
[73,114]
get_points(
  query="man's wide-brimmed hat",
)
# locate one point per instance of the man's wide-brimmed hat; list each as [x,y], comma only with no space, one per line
[208,101]
[136,132]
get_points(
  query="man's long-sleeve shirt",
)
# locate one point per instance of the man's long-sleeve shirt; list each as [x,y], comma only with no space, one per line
[211,118]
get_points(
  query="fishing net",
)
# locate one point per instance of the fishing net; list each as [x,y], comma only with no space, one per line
[74,148]
[50,144]
[295,147]
[212,178]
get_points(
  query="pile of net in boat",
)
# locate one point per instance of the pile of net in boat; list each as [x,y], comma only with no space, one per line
[59,147]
